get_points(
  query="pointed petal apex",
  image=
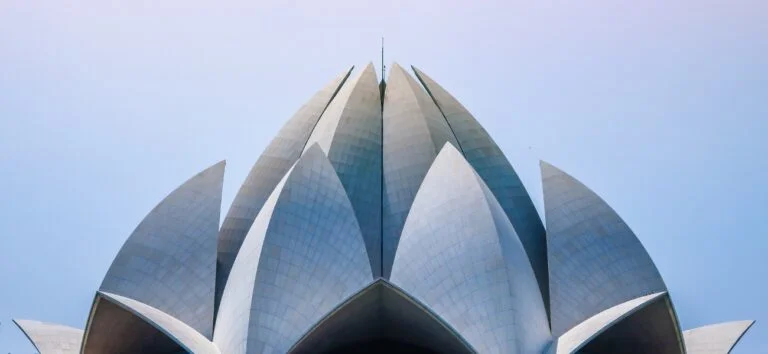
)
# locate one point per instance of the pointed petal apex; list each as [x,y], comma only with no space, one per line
[449,149]
[314,151]
[549,170]
[213,173]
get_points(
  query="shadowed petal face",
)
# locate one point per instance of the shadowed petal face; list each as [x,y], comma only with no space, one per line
[122,325]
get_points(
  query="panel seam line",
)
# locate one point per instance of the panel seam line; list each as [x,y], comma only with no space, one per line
[434,100]
[341,84]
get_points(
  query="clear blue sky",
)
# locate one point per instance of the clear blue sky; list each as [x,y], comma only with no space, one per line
[660,106]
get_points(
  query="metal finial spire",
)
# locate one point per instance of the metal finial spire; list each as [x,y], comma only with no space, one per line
[383,67]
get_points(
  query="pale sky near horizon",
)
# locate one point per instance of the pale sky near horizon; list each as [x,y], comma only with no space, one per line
[661,107]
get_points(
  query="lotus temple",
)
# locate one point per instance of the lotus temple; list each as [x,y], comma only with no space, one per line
[382,218]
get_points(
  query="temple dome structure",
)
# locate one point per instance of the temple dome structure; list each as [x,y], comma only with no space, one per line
[382,218]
